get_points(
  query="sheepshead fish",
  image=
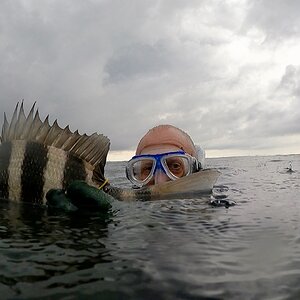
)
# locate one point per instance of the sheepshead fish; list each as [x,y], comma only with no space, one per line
[36,157]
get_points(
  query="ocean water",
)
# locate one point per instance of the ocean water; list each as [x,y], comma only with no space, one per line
[171,249]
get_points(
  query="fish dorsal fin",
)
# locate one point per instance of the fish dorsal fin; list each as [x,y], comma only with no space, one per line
[11,132]
[90,148]
[4,129]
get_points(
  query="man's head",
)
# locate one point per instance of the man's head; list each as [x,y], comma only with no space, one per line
[164,153]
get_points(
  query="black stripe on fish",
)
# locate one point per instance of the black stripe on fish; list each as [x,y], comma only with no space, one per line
[74,170]
[5,153]
[32,175]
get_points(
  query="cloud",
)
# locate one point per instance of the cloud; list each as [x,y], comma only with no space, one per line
[215,69]
[278,19]
[135,61]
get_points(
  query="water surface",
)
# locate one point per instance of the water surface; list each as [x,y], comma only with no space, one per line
[172,249]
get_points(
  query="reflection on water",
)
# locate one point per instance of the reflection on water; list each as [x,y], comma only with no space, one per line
[174,249]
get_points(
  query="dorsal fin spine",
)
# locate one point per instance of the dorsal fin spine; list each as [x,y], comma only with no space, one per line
[4,129]
[28,122]
[11,129]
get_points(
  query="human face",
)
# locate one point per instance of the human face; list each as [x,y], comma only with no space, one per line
[159,164]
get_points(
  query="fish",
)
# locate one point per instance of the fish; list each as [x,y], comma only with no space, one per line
[190,186]
[36,157]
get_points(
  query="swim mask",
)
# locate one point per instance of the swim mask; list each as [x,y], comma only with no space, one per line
[141,168]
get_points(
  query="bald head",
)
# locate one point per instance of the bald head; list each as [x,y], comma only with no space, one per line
[166,136]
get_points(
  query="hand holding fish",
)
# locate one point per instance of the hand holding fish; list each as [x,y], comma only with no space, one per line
[79,195]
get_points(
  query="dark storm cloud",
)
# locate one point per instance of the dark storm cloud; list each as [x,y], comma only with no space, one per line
[135,61]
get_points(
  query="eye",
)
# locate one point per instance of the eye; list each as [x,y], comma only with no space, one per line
[146,168]
[175,165]
[142,169]
[178,166]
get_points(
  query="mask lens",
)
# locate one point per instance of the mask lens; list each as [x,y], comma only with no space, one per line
[142,169]
[178,166]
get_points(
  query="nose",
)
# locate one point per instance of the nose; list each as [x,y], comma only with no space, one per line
[160,177]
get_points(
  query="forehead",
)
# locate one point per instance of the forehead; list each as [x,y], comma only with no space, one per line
[157,149]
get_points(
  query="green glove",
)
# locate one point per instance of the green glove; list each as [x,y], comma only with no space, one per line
[88,197]
[79,196]
[57,199]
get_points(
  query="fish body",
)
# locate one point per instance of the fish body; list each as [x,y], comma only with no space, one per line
[36,157]
[198,183]
[31,169]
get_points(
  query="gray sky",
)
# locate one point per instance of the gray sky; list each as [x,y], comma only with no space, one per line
[227,72]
